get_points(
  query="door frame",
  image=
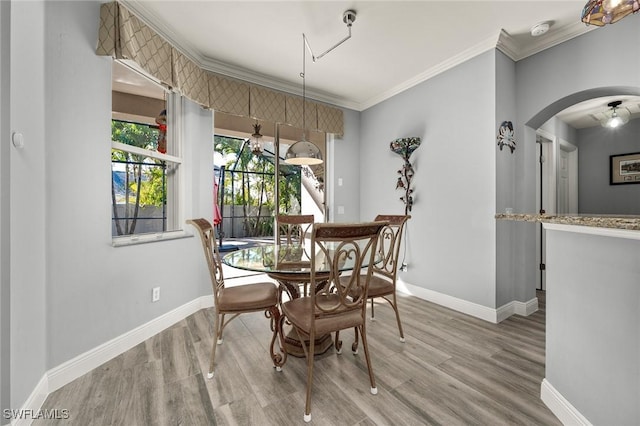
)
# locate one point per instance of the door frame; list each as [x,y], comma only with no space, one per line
[546,171]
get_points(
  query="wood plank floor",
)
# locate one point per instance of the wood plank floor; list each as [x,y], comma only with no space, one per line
[453,370]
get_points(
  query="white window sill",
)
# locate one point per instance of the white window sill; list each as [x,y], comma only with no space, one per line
[130,240]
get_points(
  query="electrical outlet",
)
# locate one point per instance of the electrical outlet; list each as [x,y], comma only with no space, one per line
[155,294]
[404,267]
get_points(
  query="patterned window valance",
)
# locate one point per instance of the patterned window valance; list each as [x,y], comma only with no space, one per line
[123,36]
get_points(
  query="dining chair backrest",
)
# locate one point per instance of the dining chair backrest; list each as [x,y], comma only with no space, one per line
[331,305]
[210,246]
[332,244]
[294,228]
[389,245]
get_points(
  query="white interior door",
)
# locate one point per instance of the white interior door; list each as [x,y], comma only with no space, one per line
[567,178]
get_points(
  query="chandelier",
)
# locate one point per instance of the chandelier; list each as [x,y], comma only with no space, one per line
[602,12]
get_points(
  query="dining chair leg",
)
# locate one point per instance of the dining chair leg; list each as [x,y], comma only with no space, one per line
[354,346]
[220,328]
[394,305]
[338,343]
[216,341]
[374,389]
[373,315]
[309,353]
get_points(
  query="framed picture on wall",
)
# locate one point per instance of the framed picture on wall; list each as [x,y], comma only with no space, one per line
[624,168]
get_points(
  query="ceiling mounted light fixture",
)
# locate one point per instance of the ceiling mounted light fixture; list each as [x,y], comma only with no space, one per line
[616,116]
[602,12]
[304,152]
[256,141]
[540,28]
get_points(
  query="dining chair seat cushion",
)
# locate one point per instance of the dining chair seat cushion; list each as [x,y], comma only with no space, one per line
[248,297]
[378,286]
[298,312]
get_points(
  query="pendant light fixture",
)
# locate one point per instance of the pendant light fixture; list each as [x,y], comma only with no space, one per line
[616,116]
[304,152]
[256,142]
[602,12]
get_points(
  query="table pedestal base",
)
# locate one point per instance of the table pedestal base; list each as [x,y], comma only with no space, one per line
[293,346]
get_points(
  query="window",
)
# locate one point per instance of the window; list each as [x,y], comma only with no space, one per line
[145,158]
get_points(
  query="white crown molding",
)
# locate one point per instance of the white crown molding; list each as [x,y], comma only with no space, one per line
[502,41]
[483,46]
[147,16]
[265,80]
[507,44]
[185,47]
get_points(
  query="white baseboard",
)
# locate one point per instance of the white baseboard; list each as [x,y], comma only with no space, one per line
[518,308]
[560,407]
[35,401]
[65,373]
[83,363]
[460,305]
[479,311]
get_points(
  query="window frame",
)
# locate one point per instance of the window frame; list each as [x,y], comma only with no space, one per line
[174,187]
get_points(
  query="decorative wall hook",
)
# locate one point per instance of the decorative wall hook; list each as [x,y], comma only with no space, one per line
[405,147]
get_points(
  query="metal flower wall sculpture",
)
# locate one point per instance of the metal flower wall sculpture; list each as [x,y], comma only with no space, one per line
[404,147]
[506,136]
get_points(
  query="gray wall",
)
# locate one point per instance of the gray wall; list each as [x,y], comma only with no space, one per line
[595,194]
[547,83]
[28,200]
[451,245]
[345,166]
[593,325]
[5,230]
[71,290]
[550,81]
[507,252]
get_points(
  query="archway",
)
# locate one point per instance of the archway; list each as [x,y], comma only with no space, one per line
[532,135]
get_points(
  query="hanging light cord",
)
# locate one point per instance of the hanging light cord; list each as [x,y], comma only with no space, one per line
[304,91]
[348,17]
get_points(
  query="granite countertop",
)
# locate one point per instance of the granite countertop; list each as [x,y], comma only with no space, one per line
[599,221]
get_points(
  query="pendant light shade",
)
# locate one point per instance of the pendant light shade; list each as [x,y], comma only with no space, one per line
[303,153]
[602,12]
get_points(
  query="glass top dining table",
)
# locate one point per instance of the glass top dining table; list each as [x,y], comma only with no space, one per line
[284,262]
[290,266]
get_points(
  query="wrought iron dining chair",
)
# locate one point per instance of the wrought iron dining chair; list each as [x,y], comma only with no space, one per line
[385,272]
[293,229]
[235,300]
[331,308]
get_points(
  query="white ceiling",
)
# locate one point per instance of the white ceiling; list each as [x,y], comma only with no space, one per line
[394,44]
